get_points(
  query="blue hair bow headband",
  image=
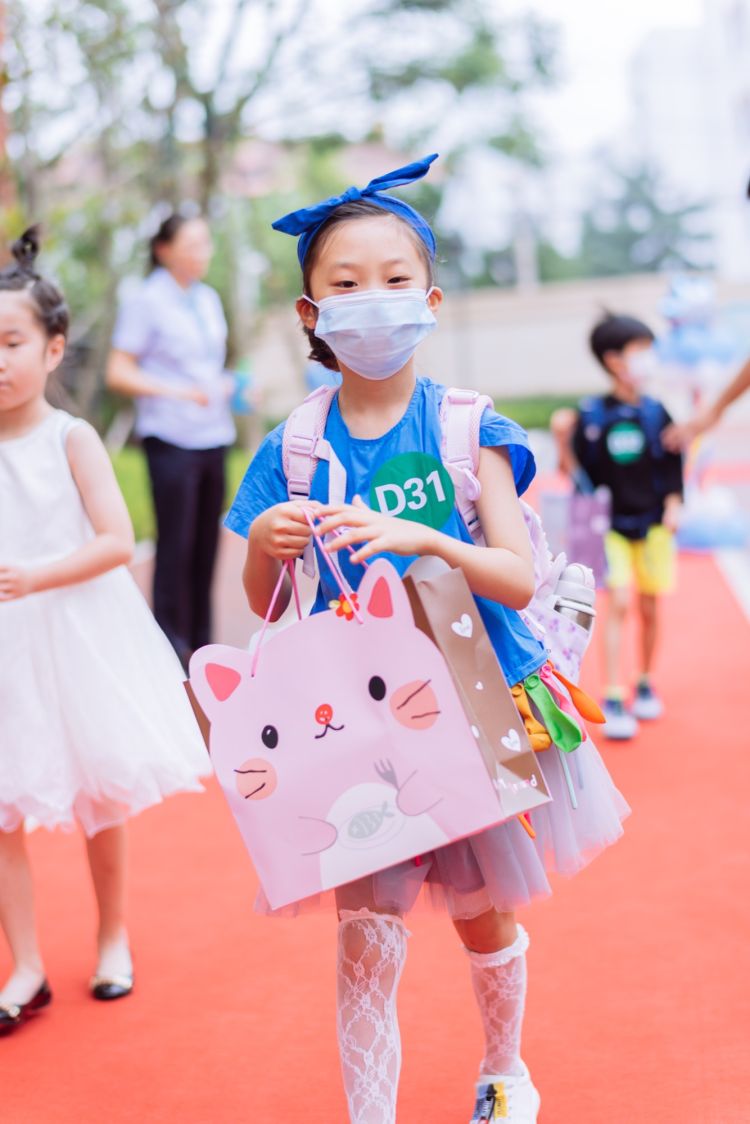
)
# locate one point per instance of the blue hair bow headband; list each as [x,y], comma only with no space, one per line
[307,221]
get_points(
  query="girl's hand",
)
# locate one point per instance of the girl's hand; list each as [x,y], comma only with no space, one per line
[381,533]
[282,531]
[15,582]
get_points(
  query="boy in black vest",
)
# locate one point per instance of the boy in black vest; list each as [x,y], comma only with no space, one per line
[616,441]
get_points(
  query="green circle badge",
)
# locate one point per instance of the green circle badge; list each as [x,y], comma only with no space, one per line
[414,486]
[626,442]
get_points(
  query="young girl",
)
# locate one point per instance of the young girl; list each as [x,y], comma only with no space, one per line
[368,298]
[95,724]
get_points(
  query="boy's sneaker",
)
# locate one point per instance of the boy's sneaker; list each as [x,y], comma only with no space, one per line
[647,705]
[620,725]
[513,1099]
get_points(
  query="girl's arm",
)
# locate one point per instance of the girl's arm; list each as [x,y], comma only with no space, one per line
[102,499]
[502,571]
[124,376]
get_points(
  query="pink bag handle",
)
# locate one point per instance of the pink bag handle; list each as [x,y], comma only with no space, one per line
[287,567]
[334,567]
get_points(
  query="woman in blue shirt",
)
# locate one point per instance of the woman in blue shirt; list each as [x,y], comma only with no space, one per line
[168,352]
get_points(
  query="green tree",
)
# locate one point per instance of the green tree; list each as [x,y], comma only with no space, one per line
[634,229]
[117,105]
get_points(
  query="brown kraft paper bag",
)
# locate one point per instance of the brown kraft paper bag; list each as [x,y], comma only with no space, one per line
[203,724]
[446,611]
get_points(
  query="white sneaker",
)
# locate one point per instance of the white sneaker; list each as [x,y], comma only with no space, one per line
[647,705]
[620,725]
[512,1098]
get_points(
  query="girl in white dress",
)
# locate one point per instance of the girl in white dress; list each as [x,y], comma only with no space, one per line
[94,722]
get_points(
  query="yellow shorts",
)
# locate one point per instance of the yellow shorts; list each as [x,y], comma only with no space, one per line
[650,561]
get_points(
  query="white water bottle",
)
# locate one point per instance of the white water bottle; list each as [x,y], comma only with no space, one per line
[575,595]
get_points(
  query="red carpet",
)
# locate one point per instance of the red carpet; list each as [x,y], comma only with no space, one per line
[639,1006]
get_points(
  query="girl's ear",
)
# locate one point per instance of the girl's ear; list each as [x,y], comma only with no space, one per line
[307,312]
[54,352]
[435,299]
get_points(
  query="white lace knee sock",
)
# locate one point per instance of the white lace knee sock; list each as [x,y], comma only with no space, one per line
[371,955]
[499,980]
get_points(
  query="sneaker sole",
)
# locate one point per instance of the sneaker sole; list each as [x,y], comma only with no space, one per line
[612,737]
[644,715]
[534,1108]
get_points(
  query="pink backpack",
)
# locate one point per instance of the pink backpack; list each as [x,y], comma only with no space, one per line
[304,444]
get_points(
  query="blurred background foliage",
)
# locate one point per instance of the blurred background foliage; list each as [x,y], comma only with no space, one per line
[118,110]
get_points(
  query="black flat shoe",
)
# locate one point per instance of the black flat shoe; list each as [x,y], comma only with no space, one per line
[110,987]
[13,1014]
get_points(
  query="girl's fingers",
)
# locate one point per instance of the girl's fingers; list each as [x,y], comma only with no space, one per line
[348,517]
[296,545]
[299,519]
[334,522]
[297,530]
[350,537]
[344,516]
[298,522]
[367,551]
[324,509]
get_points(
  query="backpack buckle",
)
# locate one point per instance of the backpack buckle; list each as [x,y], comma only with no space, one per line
[472,489]
[298,487]
[462,397]
[302,445]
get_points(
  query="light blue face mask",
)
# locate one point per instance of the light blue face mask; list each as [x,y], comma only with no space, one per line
[374,332]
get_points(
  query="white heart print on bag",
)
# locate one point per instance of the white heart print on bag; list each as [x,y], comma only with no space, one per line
[464,627]
[511,740]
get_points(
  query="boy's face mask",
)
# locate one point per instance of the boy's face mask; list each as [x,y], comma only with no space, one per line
[375,332]
[642,365]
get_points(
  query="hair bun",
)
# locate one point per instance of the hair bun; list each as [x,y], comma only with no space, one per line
[26,248]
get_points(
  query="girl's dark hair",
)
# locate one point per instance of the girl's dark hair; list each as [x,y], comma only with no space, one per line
[355,209]
[167,232]
[50,307]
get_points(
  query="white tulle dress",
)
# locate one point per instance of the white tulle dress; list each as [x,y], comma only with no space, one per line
[95,725]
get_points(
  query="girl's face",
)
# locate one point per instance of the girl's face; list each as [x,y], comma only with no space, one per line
[27,354]
[189,254]
[362,254]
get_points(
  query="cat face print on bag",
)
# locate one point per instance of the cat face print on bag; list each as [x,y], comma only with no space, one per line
[348,750]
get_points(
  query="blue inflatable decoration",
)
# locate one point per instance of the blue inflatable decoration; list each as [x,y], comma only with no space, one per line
[701,344]
[697,335]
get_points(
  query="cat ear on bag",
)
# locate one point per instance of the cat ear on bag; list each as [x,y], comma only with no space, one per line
[216,672]
[381,593]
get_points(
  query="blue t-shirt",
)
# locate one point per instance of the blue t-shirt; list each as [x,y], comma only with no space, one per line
[366,462]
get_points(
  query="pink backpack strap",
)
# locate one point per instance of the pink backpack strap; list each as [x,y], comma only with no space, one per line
[303,445]
[303,433]
[460,418]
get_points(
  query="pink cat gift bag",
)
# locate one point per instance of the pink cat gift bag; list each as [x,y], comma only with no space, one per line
[342,746]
